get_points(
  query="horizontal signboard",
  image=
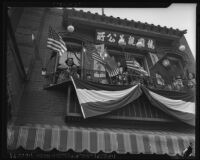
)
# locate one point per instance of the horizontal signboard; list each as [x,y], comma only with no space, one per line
[129,40]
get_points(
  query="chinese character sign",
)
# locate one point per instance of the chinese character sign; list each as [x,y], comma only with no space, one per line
[124,39]
[101,36]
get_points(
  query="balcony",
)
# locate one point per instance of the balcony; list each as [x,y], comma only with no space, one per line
[139,110]
[62,75]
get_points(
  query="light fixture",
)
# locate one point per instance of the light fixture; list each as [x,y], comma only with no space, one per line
[165,62]
[84,49]
[182,48]
[106,55]
[139,44]
[70,28]
[44,71]
[32,37]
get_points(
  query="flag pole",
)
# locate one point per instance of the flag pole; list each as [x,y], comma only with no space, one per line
[45,61]
[82,57]
[55,68]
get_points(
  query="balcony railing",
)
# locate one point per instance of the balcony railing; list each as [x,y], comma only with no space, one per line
[122,79]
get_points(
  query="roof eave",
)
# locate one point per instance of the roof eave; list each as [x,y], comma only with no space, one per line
[122,28]
[122,23]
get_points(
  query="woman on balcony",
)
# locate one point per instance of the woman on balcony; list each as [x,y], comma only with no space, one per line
[69,69]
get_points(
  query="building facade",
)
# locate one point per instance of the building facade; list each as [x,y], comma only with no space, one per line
[50,116]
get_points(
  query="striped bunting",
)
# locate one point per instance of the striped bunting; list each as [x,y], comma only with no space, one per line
[97,99]
[179,105]
[55,42]
[98,139]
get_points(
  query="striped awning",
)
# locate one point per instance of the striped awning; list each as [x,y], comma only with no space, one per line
[98,139]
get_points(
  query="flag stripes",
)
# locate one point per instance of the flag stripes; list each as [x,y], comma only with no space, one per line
[132,64]
[97,57]
[93,51]
[95,99]
[55,42]
[179,105]
[109,63]
[182,106]
[86,96]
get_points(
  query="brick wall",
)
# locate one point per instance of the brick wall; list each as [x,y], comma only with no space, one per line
[24,21]
[15,78]
[38,105]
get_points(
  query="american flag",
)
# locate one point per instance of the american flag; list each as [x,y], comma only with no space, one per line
[131,64]
[111,66]
[55,42]
[109,63]
[91,49]
[134,65]
[112,72]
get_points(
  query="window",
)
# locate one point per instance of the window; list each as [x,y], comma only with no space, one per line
[114,70]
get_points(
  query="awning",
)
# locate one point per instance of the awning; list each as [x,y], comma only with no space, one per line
[98,139]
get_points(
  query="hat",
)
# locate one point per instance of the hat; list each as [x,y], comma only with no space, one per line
[178,77]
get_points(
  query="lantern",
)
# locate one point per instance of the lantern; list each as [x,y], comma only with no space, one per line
[182,48]
[33,37]
[105,55]
[84,49]
[166,62]
[44,71]
[70,28]
[121,42]
[139,44]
